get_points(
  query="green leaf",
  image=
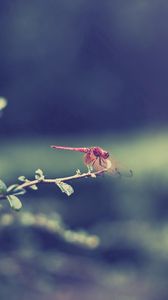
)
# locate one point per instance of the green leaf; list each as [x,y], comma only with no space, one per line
[14,201]
[14,190]
[33,187]
[65,188]
[3,188]
[19,192]
[39,174]
[12,187]
[22,178]
[78,172]
[3,103]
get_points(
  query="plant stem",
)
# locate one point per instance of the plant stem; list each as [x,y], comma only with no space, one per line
[72,177]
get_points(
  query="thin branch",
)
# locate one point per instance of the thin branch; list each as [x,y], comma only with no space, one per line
[61,179]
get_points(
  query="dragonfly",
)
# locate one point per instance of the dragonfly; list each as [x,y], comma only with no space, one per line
[97,159]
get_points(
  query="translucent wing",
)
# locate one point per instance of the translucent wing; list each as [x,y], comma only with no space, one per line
[112,166]
[89,158]
[120,169]
[97,163]
[101,164]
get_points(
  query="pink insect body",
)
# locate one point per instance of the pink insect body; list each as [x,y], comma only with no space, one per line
[99,160]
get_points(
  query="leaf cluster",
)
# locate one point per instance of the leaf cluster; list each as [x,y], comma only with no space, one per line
[13,192]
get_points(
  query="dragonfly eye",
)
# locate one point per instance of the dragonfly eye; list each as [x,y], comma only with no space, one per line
[106,155]
[96,152]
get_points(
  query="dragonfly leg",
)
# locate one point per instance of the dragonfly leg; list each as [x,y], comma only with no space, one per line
[91,165]
[90,168]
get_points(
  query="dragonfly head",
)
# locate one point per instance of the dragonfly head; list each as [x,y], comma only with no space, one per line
[105,154]
[99,152]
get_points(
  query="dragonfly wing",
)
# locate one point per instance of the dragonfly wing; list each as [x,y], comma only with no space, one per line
[89,158]
[112,166]
[119,169]
[92,161]
[100,164]
[97,163]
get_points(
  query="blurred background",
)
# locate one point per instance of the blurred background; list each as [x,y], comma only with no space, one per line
[83,73]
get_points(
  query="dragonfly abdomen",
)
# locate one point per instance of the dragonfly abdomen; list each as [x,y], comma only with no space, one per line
[82,149]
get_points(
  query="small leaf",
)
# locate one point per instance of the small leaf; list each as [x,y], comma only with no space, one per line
[12,187]
[14,201]
[22,178]
[19,192]
[14,190]
[3,103]
[39,174]
[33,187]
[65,188]
[78,172]
[3,188]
